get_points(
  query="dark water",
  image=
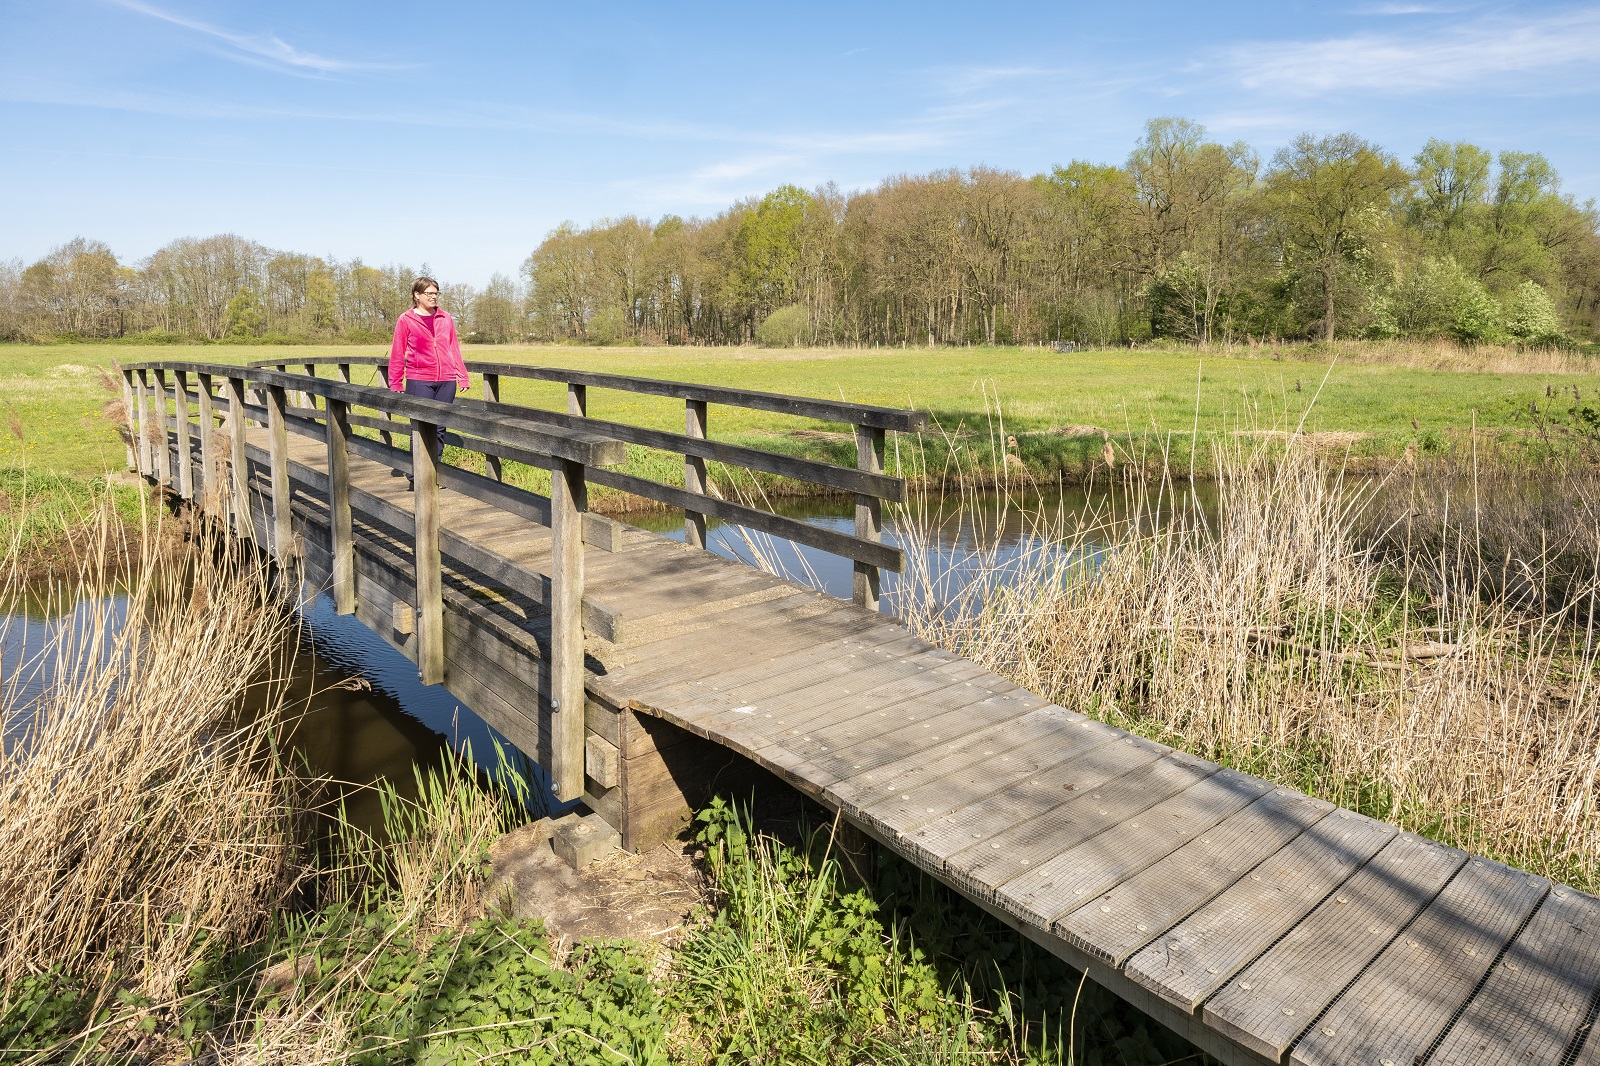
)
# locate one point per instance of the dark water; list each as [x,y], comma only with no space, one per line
[362,715]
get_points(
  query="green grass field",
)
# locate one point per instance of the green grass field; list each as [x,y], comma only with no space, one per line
[1056,405]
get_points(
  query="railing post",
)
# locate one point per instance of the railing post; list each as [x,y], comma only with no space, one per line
[491,394]
[309,399]
[278,435]
[342,541]
[569,499]
[209,497]
[131,417]
[430,601]
[344,373]
[163,453]
[142,438]
[244,524]
[180,423]
[578,400]
[694,472]
[869,514]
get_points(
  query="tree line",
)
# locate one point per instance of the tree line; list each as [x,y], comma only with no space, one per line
[1187,239]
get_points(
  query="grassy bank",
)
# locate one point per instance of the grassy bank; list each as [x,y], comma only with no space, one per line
[1377,401]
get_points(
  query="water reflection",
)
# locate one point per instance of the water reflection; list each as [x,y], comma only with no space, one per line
[950,539]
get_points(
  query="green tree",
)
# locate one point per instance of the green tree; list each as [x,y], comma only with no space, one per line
[1452,183]
[245,316]
[766,252]
[1327,195]
[496,316]
[1532,316]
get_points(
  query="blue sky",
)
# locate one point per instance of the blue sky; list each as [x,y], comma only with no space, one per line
[458,134]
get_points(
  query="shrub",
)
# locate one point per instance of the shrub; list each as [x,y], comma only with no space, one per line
[1532,316]
[785,328]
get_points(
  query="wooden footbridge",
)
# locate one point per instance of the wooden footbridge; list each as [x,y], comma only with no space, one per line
[1264,925]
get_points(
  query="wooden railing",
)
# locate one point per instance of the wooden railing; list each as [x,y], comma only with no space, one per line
[160,417]
[866,480]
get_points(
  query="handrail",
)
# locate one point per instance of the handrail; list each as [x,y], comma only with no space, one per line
[567,453]
[590,449]
[857,414]
[867,480]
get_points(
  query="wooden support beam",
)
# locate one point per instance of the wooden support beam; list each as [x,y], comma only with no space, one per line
[130,419]
[210,497]
[869,515]
[430,605]
[578,400]
[569,500]
[180,420]
[491,394]
[344,373]
[694,472]
[163,454]
[278,437]
[141,436]
[341,536]
[239,463]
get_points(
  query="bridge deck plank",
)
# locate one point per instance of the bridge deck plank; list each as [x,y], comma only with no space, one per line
[1063,881]
[1136,912]
[1059,824]
[1193,958]
[1405,999]
[1277,996]
[1533,1006]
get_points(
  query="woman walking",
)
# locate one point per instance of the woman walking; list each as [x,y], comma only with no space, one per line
[425,358]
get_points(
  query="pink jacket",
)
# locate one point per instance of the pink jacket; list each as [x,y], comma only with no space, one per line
[418,355]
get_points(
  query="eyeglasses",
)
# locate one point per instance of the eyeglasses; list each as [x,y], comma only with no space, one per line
[431,292]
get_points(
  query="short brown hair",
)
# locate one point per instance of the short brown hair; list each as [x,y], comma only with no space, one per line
[419,286]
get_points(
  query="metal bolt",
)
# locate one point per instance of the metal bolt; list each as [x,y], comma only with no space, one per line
[1327,1031]
[1105,909]
[1288,1012]
[1246,985]
[1343,899]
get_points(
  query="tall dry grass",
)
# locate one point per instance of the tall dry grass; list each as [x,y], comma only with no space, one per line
[144,820]
[1440,353]
[1344,638]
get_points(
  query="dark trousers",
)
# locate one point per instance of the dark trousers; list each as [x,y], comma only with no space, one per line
[444,391]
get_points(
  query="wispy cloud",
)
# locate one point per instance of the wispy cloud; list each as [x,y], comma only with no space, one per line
[1463,56]
[262,50]
[1409,9]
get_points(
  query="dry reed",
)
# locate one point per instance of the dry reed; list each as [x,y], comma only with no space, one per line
[143,819]
[1301,633]
[1440,353]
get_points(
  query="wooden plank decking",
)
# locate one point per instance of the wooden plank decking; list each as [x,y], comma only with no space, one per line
[1264,925]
